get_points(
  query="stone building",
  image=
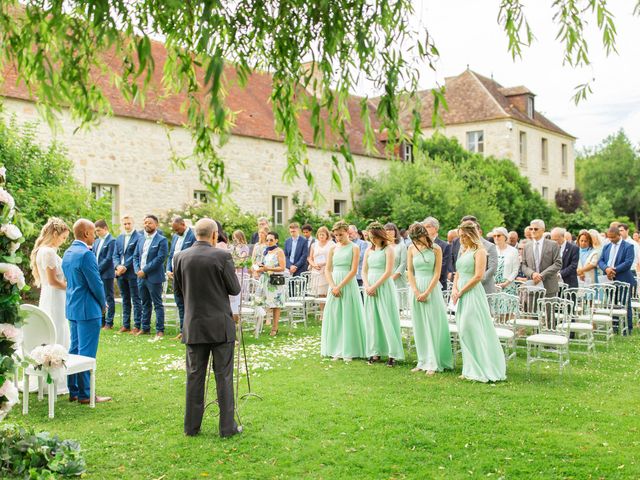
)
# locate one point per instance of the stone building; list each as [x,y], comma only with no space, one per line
[503,122]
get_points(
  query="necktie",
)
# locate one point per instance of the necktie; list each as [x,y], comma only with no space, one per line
[536,255]
[612,254]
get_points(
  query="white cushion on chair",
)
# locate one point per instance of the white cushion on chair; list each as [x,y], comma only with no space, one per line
[504,333]
[406,323]
[524,322]
[247,311]
[576,327]
[547,339]
[293,304]
[79,363]
[635,303]
[619,312]
[453,328]
[599,318]
[602,311]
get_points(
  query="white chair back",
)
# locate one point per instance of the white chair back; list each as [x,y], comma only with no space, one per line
[622,294]
[38,329]
[528,296]
[503,307]
[582,300]
[552,312]
[296,287]
[605,296]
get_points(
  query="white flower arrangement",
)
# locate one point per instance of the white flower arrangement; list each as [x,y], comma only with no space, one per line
[50,358]
[11,231]
[11,333]
[13,274]
[9,392]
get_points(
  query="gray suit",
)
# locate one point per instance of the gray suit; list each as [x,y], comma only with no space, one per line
[550,264]
[488,280]
[205,277]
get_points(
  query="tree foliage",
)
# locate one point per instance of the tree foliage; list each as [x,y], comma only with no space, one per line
[59,49]
[568,201]
[612,172]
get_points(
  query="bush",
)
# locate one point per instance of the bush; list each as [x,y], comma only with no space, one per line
[26,454]
[304,212]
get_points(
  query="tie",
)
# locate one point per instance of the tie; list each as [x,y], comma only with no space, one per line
[536,255]
[98,249]
[613,254]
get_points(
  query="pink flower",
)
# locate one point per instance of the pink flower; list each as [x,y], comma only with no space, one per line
[14,276]
[8,390]
[11,332]
[11,231]
[6,198]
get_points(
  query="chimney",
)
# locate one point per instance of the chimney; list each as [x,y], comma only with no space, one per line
[315,81]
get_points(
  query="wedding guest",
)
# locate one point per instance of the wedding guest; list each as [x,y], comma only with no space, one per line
[318,262]
[84,306]
[205,278]
[381,310]
[239,252]
[296,251]
[259,247]
[432,225]
[363,245]
[46,268]
[103,249]
[272,278]
[482,355]
[508,262]
[588,262]
[452,235]
[528,233]
[624,233]
[181,239]
[399,274]
[569,255]
[343,331]
[263,222]
[568,237]
[307,233]
[404,235]
[123,251]
[615,261]
[148,262]
[428,312]
[541,260]
[223,240]
[513,238]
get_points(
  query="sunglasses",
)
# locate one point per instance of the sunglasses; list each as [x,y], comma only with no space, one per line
[271,239]
[535,229]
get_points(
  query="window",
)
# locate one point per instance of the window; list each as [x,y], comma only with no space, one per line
[278,210]
[530,109]
[565,160]
[545,155]
[340,207]
[475,141]
[545,193]
[111,193]
[523,149]
[201,196]
[407,152]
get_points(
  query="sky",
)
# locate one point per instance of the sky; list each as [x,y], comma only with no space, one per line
[466,32]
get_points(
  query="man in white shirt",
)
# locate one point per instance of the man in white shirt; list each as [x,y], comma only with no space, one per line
[125,247]
[623,228]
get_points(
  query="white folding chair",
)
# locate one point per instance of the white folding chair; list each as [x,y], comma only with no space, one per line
[602,317]
[169,303]
[295,289]
[252,314]
[504,309]
[526,319]
[581,322]
[549,340]
[619,312]
[406,323]
[38,329]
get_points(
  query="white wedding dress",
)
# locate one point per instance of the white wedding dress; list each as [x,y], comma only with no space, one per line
[52,301]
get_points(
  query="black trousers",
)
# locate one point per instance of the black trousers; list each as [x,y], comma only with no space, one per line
[197,365]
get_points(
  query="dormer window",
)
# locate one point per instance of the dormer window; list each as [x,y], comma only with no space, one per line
[530,109]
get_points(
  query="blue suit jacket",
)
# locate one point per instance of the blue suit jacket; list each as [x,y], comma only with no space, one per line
[446,261]
[300,255]
[154,268]
[570,258]
[123,258]
[189,239]
[85,291]
[105,264]
[623,262]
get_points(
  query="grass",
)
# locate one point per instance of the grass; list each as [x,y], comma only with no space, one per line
[327,420]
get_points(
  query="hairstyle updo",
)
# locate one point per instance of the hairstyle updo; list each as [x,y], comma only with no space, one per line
[340,225]
[376,230]
[54,228]
[469,230]
[419,235]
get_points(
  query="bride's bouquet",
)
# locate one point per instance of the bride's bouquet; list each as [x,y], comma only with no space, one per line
[50,358]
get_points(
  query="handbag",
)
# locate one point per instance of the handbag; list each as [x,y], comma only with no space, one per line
[276,279]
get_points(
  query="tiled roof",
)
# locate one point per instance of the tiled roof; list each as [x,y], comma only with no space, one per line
[251,104]
[474,98]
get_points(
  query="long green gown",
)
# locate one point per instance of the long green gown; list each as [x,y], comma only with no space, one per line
[430,325]
[382,315]
[343,332]
[482,355]
[400,264]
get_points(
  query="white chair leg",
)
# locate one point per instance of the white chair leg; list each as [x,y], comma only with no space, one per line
[52,398]
[92,389]
[40,389]
[15,376]
[25,393]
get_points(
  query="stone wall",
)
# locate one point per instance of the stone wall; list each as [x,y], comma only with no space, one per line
[134,155]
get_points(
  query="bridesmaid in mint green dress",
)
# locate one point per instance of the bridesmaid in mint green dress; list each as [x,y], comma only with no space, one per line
[482,355]
[343,331]
[428,312]
[382,315]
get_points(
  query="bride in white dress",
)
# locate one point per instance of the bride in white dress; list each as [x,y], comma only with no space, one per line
[46,266]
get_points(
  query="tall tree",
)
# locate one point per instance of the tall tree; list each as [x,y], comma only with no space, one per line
[612,171]
[58,48]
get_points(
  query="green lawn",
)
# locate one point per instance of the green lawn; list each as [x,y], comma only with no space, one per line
[330,420]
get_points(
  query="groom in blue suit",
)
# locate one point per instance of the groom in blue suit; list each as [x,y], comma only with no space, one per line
[85,304]
[616,262]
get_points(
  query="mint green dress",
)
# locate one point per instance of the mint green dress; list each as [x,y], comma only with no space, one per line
[382,315]
[343,333]
[482,355]
[430,324]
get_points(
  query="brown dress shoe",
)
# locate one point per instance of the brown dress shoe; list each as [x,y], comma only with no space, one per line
[143,332]
[159,334]
[124,330]
[73,399]
[134,331]
[178,337]
[86,401]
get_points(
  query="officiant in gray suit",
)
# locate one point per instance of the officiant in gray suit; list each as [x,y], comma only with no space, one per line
[205,277]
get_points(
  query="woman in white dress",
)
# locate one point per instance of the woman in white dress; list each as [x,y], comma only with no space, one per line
[46,266]
[317,263]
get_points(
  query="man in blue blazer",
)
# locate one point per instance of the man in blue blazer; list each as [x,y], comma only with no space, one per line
[125,247]
[103,250]
[433,226]
[296,251]
[569,254]
[85,305]
[148,262]
[182,239]
[616,261]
